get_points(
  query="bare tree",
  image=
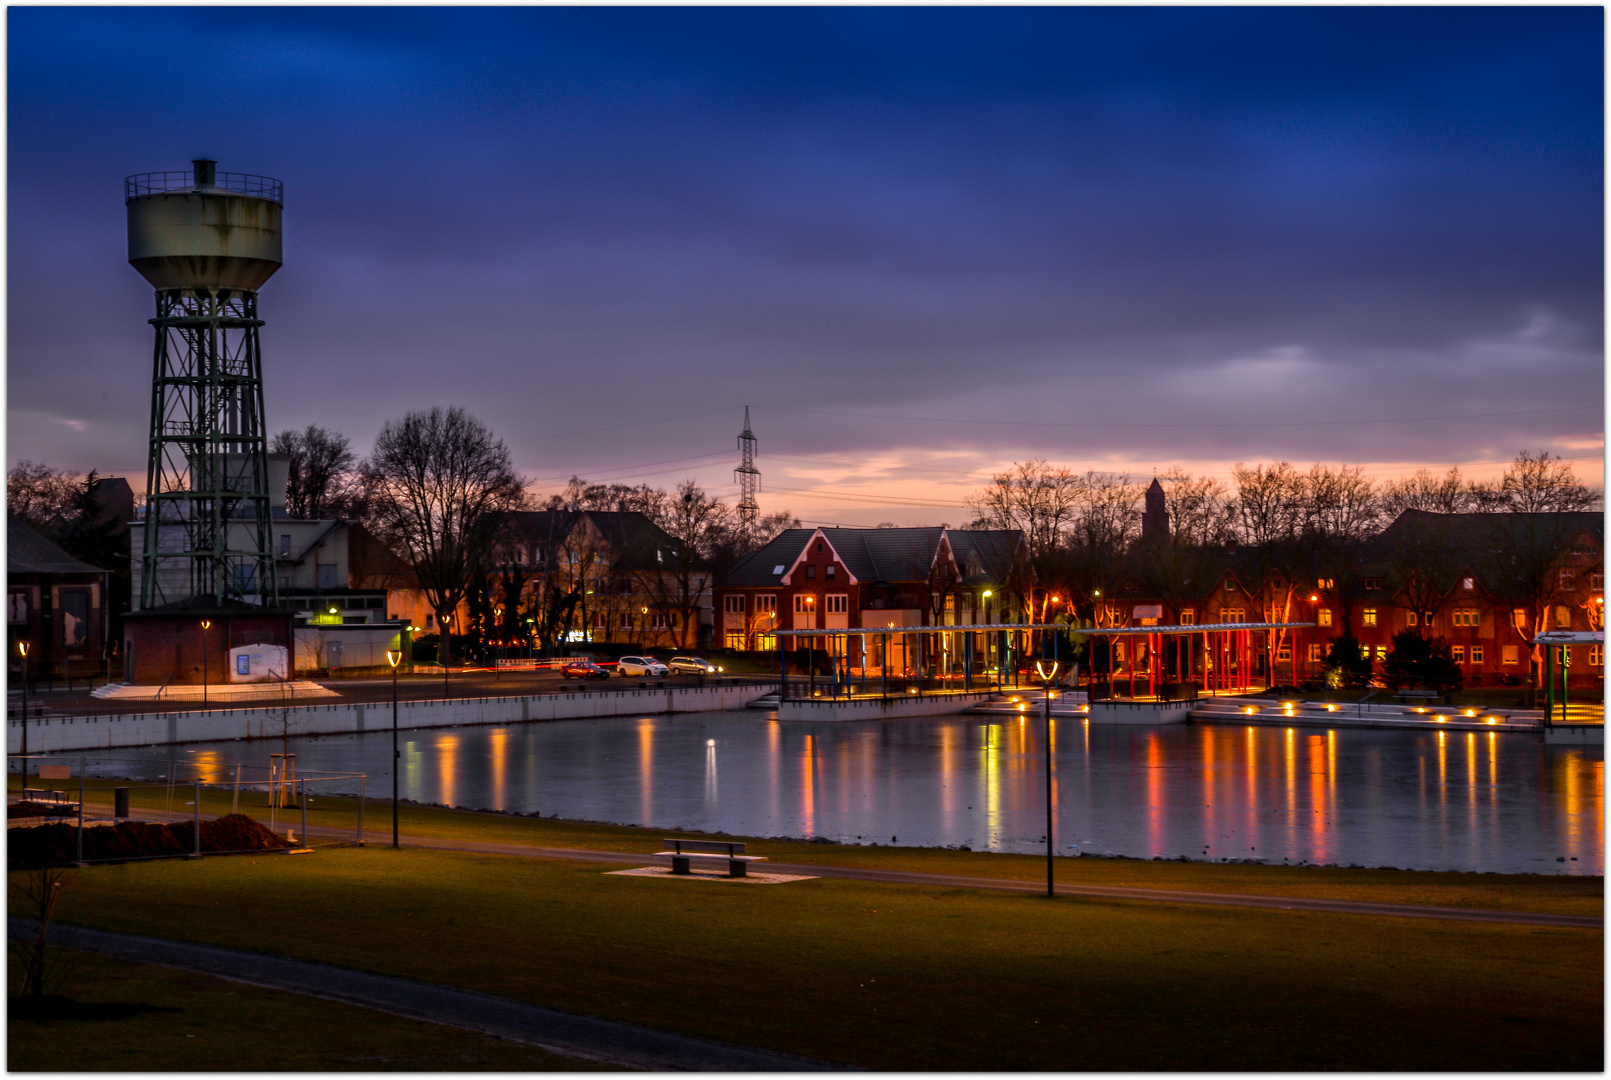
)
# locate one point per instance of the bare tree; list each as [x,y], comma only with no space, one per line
[1033,497]
[1544,485]
[1446,494]
[439,482]
[41,495]
[321,465]
[681,576]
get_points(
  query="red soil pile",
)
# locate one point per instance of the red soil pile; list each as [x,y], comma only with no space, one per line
[58,842]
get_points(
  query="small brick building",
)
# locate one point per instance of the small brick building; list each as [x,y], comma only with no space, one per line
[169,645]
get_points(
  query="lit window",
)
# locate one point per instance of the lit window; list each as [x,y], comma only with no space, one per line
[1381,652]
[1370,616]
[1188,617]
[1518,618]
[1507,654]
[1476,654]
[1323,616]
[1596,655]
[1458,653]
[735,639]
[1468,584]
[1563,617]
[766,642]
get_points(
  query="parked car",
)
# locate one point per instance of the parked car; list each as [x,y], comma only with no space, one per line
[640,665]
[691,665]
[582,669]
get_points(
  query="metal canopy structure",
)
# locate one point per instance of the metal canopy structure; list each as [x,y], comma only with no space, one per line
[1557,647]
[1227,652]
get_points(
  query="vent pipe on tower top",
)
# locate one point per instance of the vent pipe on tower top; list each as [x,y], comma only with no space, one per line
[206,170]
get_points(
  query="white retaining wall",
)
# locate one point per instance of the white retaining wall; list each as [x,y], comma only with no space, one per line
[1140,712]
[60,733]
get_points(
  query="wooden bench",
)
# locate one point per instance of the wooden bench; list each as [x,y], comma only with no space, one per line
[682,853]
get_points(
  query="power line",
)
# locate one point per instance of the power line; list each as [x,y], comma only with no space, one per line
[1175,424]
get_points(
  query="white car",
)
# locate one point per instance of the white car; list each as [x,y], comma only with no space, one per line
[631,666]
[692,665]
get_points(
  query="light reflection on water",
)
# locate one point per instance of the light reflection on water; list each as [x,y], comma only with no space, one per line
[1432,800]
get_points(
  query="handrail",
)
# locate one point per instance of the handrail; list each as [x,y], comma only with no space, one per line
[161,183]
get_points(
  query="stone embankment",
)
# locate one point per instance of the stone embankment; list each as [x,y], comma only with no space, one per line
[71,733]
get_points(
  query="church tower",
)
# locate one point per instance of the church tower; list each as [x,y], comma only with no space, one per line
[1155,519]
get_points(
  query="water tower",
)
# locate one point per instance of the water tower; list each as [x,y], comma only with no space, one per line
[206,241]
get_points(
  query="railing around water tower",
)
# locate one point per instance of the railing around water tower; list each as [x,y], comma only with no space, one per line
[158,183]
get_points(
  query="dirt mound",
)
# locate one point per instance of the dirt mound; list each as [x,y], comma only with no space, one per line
[58,842]
[30,808]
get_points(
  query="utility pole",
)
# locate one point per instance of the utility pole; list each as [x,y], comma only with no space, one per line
[749,479]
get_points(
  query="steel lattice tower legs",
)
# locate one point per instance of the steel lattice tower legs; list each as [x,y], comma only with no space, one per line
[207,526]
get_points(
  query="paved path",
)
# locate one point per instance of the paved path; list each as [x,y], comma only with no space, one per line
[569,1034]
[1113,892]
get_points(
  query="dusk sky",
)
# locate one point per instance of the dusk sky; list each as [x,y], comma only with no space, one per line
[920,244]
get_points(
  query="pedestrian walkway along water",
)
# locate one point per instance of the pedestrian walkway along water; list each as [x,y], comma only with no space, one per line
[570,1034]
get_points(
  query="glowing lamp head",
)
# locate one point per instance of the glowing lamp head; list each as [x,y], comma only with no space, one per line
[22,648]
[394,657]
[206,624]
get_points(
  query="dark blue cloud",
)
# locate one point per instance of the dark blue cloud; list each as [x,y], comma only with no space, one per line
[1138,212]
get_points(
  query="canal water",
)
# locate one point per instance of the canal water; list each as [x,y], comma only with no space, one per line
[1416,800]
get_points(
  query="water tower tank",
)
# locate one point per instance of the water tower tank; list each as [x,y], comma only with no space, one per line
[203,229]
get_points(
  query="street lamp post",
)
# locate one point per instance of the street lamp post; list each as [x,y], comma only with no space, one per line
[22,650]
[394,658]
[447,652]
[205,625]
[1046,677]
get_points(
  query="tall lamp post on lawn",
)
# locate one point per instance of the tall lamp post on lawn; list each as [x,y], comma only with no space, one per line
[394,658]
[447,652]
[22,650]
[206,624]
[1046,675]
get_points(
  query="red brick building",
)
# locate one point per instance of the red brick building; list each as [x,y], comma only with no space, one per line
[834,579]
[1484,583]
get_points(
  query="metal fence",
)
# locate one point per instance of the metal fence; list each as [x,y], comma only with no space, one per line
[88,810]
[157,183]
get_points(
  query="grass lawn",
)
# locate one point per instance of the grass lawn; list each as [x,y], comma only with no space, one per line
[1559,894]
[140,1018]
[908,977]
